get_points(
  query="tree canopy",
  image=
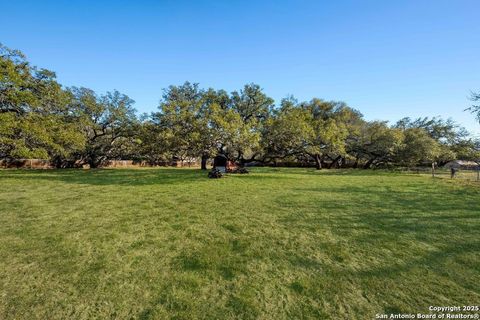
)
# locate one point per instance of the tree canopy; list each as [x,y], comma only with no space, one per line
[39,118]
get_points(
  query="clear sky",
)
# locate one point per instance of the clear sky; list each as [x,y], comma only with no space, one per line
[389,59]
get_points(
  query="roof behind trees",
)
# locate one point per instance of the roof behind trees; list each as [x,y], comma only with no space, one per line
[462,164]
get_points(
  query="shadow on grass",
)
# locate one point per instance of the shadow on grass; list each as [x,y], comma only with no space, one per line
[154,176]
[328,172]
[444,220]
[125,177]
[419,211]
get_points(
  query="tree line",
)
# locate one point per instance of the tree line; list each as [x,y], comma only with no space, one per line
[39,118]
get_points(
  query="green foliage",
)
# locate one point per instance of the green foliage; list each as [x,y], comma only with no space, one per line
[233,136]
[451,140]
[377,144]
[287,132]
[445,131]
[35,118]
[418,146]
[468,149]
[153,143]
[252,104]
[205,123]
[108,123]
[182,117]
[76,126]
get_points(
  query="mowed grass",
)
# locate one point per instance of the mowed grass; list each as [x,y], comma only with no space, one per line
[274,244]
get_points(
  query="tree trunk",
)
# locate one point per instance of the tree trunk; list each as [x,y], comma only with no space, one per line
[318,162]
[368,164]
[204,161]
[355,165]
[95,161]
[57,162]
[93,164]
[334,162]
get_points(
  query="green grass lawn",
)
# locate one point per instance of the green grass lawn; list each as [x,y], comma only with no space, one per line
[274,244]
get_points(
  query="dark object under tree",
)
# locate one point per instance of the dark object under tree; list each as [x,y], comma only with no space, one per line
[215,174]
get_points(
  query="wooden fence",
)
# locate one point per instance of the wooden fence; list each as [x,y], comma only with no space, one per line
[46,164]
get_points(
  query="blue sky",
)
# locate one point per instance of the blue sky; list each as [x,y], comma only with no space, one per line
[389,59]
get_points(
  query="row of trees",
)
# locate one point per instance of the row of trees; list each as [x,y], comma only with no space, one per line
[71,126]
